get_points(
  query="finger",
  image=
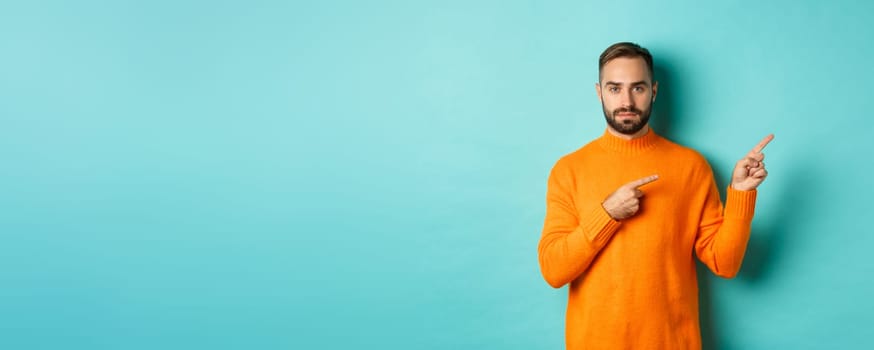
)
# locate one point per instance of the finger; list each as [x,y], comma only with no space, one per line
[748,163]
[638,193]
[640,182]
[761,173]
[756,166]
[753,170]
[763,143]
[757,156]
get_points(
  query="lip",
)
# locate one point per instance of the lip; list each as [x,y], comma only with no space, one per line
[627,115]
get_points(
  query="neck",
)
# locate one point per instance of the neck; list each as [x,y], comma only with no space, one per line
[638,134]
[629,144]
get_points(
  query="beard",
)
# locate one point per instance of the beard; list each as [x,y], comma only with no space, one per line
[627,126]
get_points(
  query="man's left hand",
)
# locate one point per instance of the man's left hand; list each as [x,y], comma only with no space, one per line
[750,171]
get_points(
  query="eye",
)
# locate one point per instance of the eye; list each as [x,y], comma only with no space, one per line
[613,89]
[639,89]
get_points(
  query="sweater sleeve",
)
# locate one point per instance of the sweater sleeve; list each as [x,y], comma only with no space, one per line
[723,236]
[570,241]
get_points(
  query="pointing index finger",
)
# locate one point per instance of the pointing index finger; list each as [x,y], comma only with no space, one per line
[763,143]
[640,182]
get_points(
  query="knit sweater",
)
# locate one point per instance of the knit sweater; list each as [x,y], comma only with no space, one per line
[632,282]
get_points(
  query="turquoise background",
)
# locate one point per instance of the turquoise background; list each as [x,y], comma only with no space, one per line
[328,175]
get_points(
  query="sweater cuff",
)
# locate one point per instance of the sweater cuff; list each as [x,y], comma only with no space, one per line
[740,204]
[598,227]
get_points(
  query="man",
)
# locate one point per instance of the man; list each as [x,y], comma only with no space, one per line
[626,212]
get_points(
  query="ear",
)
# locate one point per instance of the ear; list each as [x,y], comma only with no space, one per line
[598,91]
[655,90]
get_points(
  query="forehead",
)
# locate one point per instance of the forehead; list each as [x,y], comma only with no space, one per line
[625,70]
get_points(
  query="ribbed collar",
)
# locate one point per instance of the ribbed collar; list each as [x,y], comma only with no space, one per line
[611,142]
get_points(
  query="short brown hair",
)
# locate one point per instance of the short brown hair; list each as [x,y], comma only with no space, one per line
[625,49]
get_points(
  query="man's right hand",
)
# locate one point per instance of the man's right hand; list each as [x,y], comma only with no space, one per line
[625,201]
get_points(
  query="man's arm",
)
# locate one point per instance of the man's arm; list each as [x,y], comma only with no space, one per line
[570,241]
[722,237]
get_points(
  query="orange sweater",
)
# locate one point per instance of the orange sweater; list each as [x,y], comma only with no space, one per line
[632,282]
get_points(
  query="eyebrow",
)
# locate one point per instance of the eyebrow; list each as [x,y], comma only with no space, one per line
[641,82]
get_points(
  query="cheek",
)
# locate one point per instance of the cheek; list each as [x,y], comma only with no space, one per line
[611,102]
[609,107]
[644,98]
[644,101]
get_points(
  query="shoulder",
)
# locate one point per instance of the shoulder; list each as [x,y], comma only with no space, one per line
[676,150]
[575,158]
[686,156]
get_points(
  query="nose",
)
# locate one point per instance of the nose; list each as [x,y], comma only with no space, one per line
[627,100]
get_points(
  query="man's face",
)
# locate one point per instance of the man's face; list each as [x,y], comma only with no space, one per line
[626,92]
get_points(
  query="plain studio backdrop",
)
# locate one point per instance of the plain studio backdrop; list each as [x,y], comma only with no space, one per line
[327,175]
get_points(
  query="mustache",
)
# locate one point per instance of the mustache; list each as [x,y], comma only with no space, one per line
[627,110]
